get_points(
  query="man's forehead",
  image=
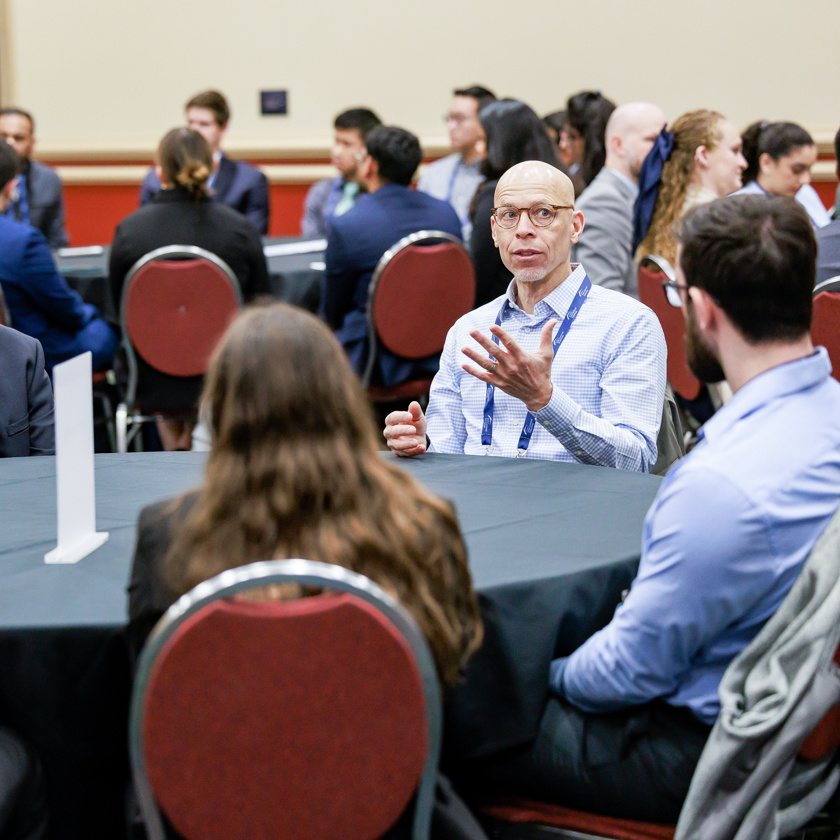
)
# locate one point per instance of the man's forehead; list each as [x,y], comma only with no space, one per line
[532,183]
[15,124]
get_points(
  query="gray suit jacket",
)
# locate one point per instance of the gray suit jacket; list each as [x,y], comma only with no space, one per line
[46,204]
[828,252]
[605,247]
[26,399]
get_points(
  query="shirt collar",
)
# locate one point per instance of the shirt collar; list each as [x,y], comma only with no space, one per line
[780,381]
[557,302]
[626,180]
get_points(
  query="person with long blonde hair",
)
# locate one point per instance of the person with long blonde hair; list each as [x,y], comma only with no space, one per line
[294,471]
[697,159]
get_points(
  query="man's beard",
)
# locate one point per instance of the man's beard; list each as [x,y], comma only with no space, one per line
[701,358]
[530,275]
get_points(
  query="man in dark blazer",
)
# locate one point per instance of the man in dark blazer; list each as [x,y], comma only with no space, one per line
[234,183]
[357,240]
[38,200]
[40,301]
[26,399]
[605,246]
[828,238]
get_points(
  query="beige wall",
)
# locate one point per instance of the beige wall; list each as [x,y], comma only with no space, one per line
[112,74]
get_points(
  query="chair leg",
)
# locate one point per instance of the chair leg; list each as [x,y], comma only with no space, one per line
[121,422]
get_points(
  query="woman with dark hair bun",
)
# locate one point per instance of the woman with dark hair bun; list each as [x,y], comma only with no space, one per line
[582,140]
[514,133]
[185,213]
[779,160]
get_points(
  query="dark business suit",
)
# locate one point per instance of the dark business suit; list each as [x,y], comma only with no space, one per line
[175,218]
[237,185]
[43,305]
[45,199]
[828,252]
[26,399]
[355,243]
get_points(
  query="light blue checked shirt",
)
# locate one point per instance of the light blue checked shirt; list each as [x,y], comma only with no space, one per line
[608,375]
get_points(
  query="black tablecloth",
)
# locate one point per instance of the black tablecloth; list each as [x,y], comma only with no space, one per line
[551,547]
[292,277]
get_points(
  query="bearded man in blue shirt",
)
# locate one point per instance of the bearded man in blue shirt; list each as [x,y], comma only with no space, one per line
[725,538]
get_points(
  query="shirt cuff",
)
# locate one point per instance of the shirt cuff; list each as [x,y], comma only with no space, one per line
[558,417]
[555,675]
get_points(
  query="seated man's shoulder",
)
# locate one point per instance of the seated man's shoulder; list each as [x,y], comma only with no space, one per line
[44,174]
[15,345]
[829,233]
[621,308]
[441,165]
[248,172]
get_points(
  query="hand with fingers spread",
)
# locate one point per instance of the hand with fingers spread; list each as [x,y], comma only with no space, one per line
[526,376]
[405,431]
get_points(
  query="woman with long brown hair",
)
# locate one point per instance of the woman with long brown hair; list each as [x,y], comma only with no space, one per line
[697,159]
[294,471]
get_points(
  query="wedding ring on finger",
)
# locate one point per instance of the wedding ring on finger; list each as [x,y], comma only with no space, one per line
[492,368]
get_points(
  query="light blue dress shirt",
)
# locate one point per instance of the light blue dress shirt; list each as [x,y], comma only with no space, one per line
[452,180]
[608,375]
[726,536]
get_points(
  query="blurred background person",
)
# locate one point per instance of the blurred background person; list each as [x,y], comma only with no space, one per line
[332,197]
[183,213]
[39,198]
[779,158]
[554,123]
[233,182]
[514,134]
[582,140]
[605,247]
[456,177]
[697,159]
[41,303]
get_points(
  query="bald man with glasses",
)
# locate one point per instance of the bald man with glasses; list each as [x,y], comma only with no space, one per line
[555,368]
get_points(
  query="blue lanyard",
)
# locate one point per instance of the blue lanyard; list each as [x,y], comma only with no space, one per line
[530,419]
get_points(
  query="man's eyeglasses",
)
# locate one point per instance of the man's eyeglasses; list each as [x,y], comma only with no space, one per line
[456,118]
[542,215]
[672,291]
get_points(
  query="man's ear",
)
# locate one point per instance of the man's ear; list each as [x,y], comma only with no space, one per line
[493,230]
[705,309]
[577,226]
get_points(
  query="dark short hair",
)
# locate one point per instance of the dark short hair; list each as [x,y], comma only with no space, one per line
[514,133]
[482,95]
[19,112]
[213,101]
[777,139]
[396,151]
[10,163]
[362,120]
[755,255]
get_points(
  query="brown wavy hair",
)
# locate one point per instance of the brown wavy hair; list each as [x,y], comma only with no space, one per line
[691,130]
[294,471]
[186,160]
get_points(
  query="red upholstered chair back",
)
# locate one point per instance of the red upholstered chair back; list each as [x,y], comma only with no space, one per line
[417,292]
[824,739]
[652,272]
[825,326]
[301,719]
[177,303]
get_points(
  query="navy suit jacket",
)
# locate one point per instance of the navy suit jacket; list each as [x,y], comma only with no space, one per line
[46,203]
[40,301]
[26,399]
[355,243]
[238,185]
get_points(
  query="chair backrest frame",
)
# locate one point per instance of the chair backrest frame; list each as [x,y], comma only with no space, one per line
[306,573]
[830,285]
[420,237]
[167,252]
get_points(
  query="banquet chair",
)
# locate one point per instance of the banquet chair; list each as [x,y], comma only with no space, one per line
[177,302]
[420,287]
[825,323]
[302,719]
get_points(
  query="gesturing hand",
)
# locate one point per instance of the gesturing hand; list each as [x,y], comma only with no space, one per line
[526,376]
[405,431]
